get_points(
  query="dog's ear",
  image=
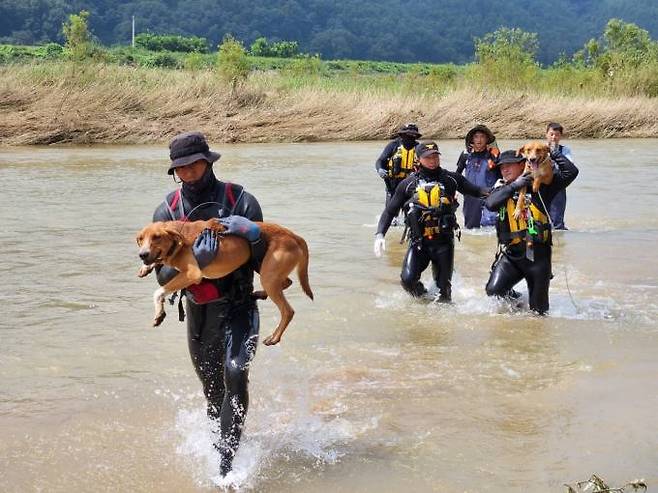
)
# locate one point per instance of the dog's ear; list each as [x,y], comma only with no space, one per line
[520,151]
[174,234]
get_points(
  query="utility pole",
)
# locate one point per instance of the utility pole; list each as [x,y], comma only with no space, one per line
[133,39]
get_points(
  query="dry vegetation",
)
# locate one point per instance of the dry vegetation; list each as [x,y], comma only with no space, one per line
[52,103]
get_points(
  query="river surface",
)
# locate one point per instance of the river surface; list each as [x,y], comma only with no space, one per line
[369,390]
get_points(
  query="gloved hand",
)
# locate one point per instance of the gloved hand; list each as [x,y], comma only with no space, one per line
[382,173]
[205,248]
[555,152]
[525,180]
[241,226]
[484,192]
[380,245]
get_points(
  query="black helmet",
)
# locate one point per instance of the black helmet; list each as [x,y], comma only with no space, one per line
[410,129]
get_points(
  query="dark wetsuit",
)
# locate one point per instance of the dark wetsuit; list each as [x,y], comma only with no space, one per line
[476,168]
[383,159]
[222,317]
[440,249]
[512,264]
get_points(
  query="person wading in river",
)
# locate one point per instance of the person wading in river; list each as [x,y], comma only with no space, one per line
[398,159]
[525,243]
[222,316]
[431,220]
[559,205]
[478,165]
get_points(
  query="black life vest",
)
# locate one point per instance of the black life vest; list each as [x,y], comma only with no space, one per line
[226,198]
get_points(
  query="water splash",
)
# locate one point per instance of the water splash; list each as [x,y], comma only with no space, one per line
[311,440]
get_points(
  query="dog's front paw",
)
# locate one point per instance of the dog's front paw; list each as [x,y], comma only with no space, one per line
[271,340]
[159,318]
[144,271]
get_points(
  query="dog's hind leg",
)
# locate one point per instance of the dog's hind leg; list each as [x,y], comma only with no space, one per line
[276,295]
[274,277]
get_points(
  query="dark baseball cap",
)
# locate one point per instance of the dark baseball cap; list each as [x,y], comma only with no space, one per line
[189,147]
[509,157]
[426,148]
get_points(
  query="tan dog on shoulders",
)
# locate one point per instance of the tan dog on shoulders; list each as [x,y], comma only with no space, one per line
[538,163]
[170,243]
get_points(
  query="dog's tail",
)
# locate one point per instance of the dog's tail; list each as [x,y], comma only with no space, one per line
[302,267]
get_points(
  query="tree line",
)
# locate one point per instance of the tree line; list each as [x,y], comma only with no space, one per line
[437,31]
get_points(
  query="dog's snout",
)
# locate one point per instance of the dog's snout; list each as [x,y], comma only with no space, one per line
[143,254]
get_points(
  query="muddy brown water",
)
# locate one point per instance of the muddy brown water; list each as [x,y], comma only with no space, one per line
[369,390]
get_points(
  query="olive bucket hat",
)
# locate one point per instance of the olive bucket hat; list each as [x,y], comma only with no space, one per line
[189,147]
[479,128]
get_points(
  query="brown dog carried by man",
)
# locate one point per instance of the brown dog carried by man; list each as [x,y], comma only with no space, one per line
[170,243]
[538,163]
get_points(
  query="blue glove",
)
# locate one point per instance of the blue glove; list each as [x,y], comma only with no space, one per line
[205,248]
[382,173]
[241,226]
[524,180]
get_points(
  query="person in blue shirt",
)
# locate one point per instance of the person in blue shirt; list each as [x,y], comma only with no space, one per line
[554,133]
[478,165]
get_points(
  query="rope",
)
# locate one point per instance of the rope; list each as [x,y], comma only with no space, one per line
[566,276]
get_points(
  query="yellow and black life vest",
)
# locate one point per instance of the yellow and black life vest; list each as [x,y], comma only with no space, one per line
[532,227]
[435,209]
[401,164]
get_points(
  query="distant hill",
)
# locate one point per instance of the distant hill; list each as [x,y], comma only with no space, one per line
[394,30]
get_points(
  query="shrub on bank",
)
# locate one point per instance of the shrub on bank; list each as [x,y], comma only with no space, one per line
[170,42]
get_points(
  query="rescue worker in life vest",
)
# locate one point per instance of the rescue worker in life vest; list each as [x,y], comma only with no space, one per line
[525,244]
[431,220]
[222,317]
[396,161]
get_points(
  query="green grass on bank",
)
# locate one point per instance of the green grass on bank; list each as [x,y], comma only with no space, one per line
[357,75]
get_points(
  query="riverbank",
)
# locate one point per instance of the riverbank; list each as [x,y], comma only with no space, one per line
[59,103]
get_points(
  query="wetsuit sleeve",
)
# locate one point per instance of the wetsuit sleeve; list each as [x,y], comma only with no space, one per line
[461,163]
[398,199]
[563,176]
[498,197]
[382,160]
[467,188]
[567,171]
[249,207]
[163,273]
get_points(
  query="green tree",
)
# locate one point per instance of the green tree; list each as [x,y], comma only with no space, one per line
[506,45]
[506,58]
[232,61]
[77,35]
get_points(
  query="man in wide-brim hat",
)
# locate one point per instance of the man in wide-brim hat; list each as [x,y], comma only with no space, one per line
[478,164]
[398,158]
